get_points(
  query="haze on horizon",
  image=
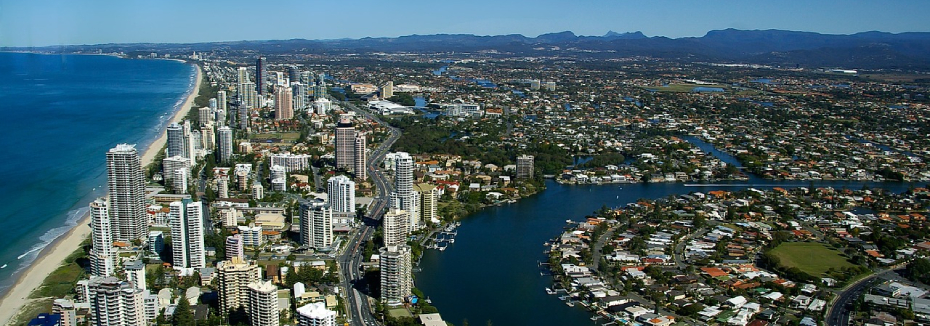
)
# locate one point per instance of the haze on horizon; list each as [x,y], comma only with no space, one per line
[60,22]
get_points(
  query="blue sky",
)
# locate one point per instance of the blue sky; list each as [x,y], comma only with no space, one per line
[59,22]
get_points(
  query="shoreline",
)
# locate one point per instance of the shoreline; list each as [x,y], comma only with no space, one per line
[53,255]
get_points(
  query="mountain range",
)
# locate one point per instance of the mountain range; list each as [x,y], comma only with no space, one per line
[866,50]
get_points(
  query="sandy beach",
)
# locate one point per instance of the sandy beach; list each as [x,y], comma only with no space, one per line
[52,256]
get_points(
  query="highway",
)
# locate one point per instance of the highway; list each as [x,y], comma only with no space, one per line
[352,257]
[838,314]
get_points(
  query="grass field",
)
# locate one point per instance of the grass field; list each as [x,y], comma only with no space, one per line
[810,257]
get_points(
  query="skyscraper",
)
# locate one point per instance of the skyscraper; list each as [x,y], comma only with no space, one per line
[235,247]
[395,227]
[115,303]
[221,101]
[175,140]
[341,191]
[260,72]
[316,225]
[524,166]
[345,145]
[205,115]
[102,259]
[315,314]
[360,157]
[396,281]
[403,196]
[126,185]
[224,144]
[234,275]
[283,102]
[187,242]
[429,200]
[263,304]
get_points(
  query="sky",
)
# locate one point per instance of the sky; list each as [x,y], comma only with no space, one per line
[64,22]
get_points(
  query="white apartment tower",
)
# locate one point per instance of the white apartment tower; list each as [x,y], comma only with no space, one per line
[234,275]
[341,191]
[403,196]
[315,314]
[102,259]
[224,144]
[316,225]
[263,304]
[115,303]
[187,243]
[361,156]
[175,140]
[126,185]
[396,281]
[395,227]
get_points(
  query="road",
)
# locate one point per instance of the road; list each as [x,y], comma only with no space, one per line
[351,259]
[838,315]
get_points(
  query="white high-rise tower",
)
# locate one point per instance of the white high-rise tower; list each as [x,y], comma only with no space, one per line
[102,261]
[126,185]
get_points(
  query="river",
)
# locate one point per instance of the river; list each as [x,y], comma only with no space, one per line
[491,272]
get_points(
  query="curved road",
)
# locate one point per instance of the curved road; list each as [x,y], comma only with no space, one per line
[356,294]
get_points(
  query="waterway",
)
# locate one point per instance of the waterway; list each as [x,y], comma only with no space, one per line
[491,273]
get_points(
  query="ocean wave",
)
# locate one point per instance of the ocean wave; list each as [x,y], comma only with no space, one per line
[49,236]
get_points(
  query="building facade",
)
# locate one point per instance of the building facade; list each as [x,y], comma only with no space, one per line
[126,185]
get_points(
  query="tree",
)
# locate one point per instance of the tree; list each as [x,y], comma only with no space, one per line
[183,314]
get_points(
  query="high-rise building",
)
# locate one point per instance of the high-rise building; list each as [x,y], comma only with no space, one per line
[300,96]
[244,117]
[126,185]
[283,103]
[345,145]
[205,114]
[208,138]
[258,192]
[360,157]
[233,276]
[429,201]
[102,256]
[243,76]
[222,186]
[175,140]
[187,234]
[221,101]
[403,196]
[395,227]
[263,304]
[247,96]
[396,281]
[179,180]
[315,314]
[224,144]
[524,166]
[341,191]
[115,303]
[387,91]
[235,247]
[135,274]
[291,162]
[260,71]
[316,225]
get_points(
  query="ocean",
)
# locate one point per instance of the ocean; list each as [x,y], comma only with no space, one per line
[60,114]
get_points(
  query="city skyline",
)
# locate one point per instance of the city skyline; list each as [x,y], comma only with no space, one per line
[47,23]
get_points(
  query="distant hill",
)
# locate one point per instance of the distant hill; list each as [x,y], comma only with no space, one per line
[867,50]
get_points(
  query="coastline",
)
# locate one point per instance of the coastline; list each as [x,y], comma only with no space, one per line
[58,250]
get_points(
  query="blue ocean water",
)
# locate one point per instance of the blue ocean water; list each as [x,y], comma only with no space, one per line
[59,114]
